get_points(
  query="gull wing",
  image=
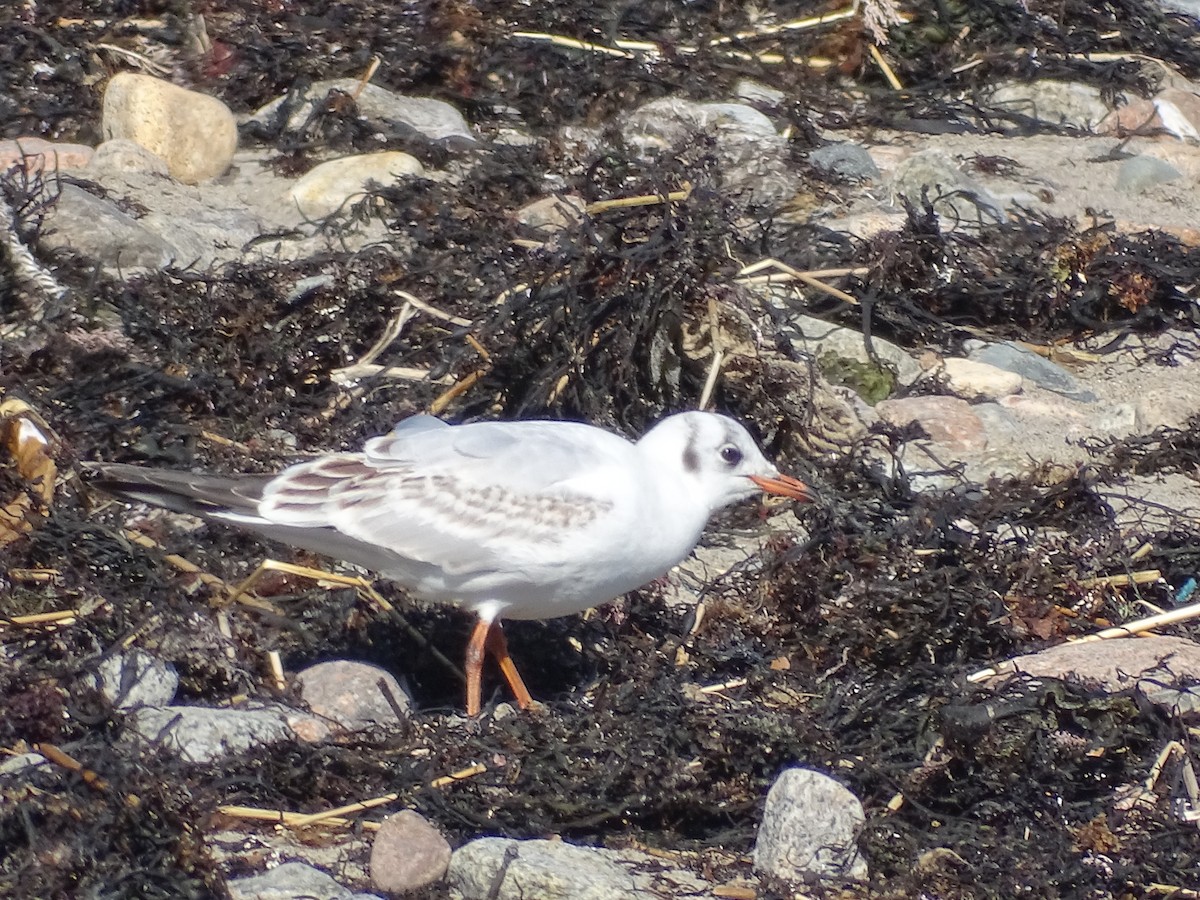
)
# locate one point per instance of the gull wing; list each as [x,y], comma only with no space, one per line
[465,499]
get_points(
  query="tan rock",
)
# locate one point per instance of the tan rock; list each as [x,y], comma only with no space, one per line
[947,420]
[552,214]
[196,134]
[1116,664]
[124,155]
[349,694]
[1179,111]
[973,380]
[1139,115]
[325,188]
[408,854]
[39,155]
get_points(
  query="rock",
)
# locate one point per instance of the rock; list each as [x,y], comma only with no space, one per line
[1173,110]
[503,869]
[660,124]
[868,224]
[336,850]
[1139,174]
[1055,102]
[22,764]
[935,174]
[552,214]
[1001,425]
[974,380]
[309,728]
[96,228]
[548,870]
[1164,669]
[1116,664]
[810,828]
[752,156]
[1187,7]
[408,854]
[683,587]
[394,114]
[195,134]
[748,91]
[1142,504]
[1032,367]
[847,160]
[332,185]
[1167,406]
[37,155]
[818,337]
[122,155]
[349,693]
[1070,419]
[947,420]
[1139,115]
[291,881]
[200,734]
[1179,112]
[133,679]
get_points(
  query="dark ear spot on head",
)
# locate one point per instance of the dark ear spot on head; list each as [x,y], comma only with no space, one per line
[691,459]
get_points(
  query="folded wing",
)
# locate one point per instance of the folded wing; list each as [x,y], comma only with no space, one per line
[467,499]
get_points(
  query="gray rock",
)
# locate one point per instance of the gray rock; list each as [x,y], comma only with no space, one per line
[344,851]
[846,160]
[1187,7]
[22,763]
[818,337]
[200,734]
[503,869]
[1056,102]
[1041,371]
[133,679]
[1140,173]
[1142,504]
[389,111]
[753,157]
[124,155]
[292,881]
[1178,703]
[748,91]
[96,228]
[408,854]
[348,692]
[1001,425]
[810,827]
[661,123]
[952,192]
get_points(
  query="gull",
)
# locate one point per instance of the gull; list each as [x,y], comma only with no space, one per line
[517,520]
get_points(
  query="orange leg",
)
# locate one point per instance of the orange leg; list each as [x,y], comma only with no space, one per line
[489,638]
[497,645]
[474,667]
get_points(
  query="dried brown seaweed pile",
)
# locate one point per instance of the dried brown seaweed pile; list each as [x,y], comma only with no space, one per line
[846,652]
[54,61]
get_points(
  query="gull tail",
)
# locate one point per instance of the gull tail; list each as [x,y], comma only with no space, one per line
[235,500]
[230,498]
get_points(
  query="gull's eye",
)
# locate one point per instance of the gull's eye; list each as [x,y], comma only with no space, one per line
[731,454]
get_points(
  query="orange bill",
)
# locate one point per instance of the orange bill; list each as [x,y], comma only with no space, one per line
[785,486]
